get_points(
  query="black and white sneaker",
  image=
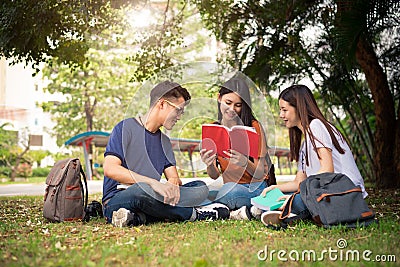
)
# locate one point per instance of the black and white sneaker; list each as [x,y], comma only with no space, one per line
[124,217]
[216,211]
[240,214]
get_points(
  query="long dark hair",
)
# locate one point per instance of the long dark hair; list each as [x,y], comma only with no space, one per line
[239,86]
[301,98]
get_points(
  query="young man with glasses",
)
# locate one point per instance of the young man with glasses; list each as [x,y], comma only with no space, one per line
[137,154]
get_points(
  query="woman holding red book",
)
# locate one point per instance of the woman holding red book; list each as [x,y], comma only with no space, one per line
[244,177]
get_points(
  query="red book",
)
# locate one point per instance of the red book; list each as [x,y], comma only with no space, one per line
[220,138]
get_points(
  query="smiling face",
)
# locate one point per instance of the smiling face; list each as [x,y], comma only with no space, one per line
[288,114]
[174,109]
[231,106]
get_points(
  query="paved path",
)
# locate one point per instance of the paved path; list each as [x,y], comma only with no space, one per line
[96,186]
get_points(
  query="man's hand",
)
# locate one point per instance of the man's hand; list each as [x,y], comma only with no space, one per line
[175,181]
[169,191]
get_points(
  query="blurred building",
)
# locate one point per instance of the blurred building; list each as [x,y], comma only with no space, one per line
[20,92]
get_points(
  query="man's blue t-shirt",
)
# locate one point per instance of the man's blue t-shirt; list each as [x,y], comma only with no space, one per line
[139,150]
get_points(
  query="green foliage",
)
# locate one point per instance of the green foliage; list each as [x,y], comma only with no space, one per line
[260,38]
[5,171]
[37,155]
[9,148]
[38,31]
[40,172]
[95,94]
[100,171]
[161,45]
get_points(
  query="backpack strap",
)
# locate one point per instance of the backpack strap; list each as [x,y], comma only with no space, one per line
[288,208]
[85,194]
[284,216]
[327,195]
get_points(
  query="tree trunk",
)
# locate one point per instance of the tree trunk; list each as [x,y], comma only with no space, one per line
[14,168]
[386,163]
[397,147]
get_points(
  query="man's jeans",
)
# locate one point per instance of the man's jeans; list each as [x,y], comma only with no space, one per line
[236,195]
[140,197]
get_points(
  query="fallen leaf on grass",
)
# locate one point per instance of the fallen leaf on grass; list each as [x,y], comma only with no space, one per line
[46,231]
[59,246]
[137,229]
[131,241]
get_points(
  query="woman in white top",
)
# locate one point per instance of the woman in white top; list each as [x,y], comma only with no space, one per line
[315,144]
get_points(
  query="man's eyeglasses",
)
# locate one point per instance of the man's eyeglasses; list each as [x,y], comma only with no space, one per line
[179,110]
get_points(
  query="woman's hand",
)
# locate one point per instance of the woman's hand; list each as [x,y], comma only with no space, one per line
[236,158]
[207,156]
[266,190]
[286,198]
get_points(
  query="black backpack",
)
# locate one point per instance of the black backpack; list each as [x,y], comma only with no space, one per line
[332,199]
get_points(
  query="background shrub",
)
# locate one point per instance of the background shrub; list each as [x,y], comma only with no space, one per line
[24,170]
[40,172]
[5,171]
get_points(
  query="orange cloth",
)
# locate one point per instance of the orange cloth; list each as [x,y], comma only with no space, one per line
[237,174]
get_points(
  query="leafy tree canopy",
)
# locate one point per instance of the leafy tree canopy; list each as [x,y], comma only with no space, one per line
[37,31]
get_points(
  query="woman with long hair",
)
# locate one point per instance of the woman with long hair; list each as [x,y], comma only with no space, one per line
[315,144]
[244,177]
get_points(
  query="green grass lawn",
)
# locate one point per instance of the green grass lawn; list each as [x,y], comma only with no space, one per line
[27,239]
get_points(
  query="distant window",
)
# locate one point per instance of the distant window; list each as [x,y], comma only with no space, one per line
[36,140]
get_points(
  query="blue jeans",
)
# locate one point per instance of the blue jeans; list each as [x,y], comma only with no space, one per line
[236,195]
[299,208]
[141,198]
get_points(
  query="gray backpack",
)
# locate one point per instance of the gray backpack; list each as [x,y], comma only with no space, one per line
[65,197]
[332,199]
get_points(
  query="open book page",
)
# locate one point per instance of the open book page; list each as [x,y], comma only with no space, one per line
[219,138]
[215,137]
[245,140]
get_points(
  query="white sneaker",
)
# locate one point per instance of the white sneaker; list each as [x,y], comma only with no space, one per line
[123,217]
[272,217]
[240,214]
[256,212]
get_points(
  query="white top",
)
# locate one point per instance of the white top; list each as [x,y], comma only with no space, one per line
[342,163]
